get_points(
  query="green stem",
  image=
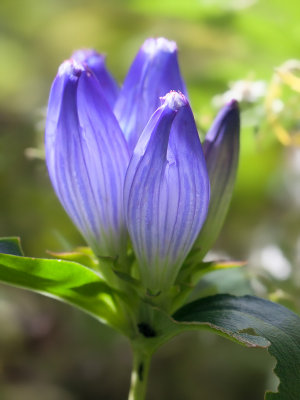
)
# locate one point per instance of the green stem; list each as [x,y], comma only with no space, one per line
[139,375]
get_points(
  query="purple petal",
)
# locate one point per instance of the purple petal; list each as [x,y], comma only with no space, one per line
[96,63]
[87,157]
[221,151]
[166,192]
[153,73]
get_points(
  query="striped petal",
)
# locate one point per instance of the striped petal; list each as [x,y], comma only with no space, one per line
[96,63]
[166,192]
[221,151]
[153,73]
[87,157]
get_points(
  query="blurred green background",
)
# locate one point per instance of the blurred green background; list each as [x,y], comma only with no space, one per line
[51,351]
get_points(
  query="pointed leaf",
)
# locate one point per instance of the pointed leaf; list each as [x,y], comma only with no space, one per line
[193,272]
[190,276]
[81,255]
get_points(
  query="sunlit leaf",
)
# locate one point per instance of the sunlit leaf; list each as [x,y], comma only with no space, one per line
[67,281]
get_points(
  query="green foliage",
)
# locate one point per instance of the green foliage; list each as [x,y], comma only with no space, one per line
[253,322]
[67,281]
[195,270]
[219,42]
[247,320]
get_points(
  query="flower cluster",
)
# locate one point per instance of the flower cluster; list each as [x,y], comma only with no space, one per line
[127,163]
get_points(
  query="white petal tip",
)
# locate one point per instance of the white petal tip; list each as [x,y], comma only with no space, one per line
[175,100]
[70,68]
[154,45]
[82,55]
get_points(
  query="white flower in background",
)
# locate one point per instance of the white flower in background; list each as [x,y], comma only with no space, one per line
[243,91]
[273,261]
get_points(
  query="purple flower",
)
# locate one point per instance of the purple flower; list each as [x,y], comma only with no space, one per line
[96,63]
[128,163]
[153,73]
[87,157]
[166,191]
[221,151]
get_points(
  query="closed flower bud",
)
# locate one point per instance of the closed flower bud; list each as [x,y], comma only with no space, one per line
[130,163]
[153,73]
[96,63]
[221,151]
[166,192]
[87,156]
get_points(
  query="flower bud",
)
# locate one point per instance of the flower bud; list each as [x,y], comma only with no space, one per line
[166,192]
[87,156]
[221,151]
[153,73]
[96,63]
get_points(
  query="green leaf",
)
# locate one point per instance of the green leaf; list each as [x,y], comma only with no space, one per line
[248,320]
[68,281]
[194,272]
[217,265]
[253,322]
[11,245]
[191,274]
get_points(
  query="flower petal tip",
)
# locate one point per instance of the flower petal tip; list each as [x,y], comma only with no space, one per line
[85,55]
[155,45]
[175,100]
[70,68]
[95,63]
[233,104]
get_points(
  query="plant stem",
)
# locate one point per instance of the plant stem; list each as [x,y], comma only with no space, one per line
[139,375]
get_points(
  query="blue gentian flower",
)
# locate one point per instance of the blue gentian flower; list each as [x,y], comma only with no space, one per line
[221,151]
[127,164]
[87,157]
[96,63]
[153,73]
[166,191]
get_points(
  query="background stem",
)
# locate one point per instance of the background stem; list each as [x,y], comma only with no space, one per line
[139,375]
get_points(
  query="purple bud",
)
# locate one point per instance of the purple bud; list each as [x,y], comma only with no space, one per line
[153,73]
[166,192]
[87,156]
[221,151]
[96,63]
